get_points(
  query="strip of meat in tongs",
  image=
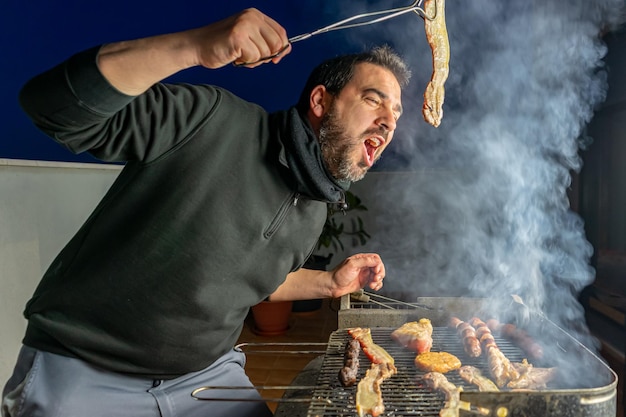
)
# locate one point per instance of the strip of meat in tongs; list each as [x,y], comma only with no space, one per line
[472,375]
[467,334]
[437,36]
[415,335]
[500,367]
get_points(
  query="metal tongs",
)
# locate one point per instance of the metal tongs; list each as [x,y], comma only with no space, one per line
[368,297]
[351,22]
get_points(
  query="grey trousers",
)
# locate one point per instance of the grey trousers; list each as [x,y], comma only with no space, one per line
[48,385]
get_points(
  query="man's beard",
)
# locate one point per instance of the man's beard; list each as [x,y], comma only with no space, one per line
[338,149]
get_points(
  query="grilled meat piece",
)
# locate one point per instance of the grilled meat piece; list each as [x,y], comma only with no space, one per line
[438,381]
[531,378]
[437,36]
[473,375]
[348,373]
[500,367]
[467,333]
[374,352]
[441,362]
[369,397]
[415,335]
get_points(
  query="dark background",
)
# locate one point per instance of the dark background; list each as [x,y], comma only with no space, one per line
[38,34]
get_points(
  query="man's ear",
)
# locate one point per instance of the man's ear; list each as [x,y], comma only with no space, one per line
[318,101]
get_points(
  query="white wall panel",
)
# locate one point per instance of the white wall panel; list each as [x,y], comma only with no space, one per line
[42,204]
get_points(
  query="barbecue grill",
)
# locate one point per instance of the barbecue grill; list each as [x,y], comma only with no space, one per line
[587,391]
[590,390]
[584,387]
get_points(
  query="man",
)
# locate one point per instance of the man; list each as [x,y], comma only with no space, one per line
[218,202]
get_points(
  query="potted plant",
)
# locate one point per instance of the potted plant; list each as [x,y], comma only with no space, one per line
[271,318]
[331,240]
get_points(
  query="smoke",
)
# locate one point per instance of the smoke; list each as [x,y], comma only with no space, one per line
[484,209]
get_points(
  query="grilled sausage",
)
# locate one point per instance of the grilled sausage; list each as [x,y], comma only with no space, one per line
[467,333]
[348,373]
[518,336]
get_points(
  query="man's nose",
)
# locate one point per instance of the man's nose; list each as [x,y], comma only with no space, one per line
[387,120]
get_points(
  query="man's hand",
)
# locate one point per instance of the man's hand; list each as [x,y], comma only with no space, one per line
[356,272]
[248,36]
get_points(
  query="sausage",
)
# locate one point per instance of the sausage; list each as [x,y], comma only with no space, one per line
[348,373]
[467,333]
[521,338]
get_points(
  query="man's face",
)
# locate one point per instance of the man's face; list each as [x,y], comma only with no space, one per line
[360,121]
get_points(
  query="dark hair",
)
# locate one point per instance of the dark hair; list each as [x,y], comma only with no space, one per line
[336,72]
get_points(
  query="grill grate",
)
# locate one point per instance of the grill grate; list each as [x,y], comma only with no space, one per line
[402,394]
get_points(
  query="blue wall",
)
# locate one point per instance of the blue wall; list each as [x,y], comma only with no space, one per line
[38,34]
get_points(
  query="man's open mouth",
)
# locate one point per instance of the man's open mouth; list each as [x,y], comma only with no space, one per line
[371,145]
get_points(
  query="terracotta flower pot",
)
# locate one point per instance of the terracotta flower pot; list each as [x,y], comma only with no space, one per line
[271,318]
